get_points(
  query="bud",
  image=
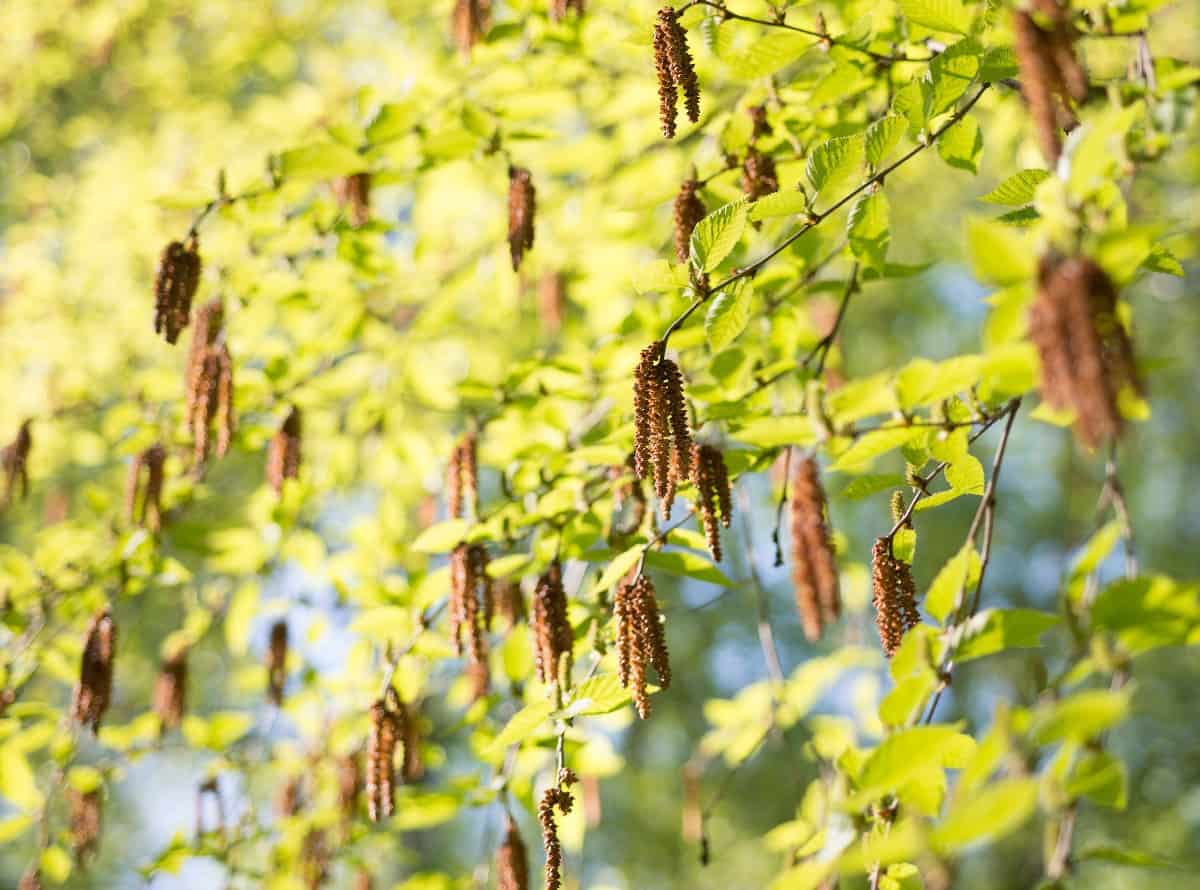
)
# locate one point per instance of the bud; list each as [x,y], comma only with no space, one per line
[94,691]
[522,207]
[174,287]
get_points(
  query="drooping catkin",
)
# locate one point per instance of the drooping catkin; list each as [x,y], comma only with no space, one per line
[662,443]
[470,601]
[209,384]
[85,813]
[559,10]
[469,22]
[15,461]
[1050,71]
[1086,354]
[353,194]
[553,638]
[412,766]
[522,208]
[94,690]
[349,784]
[640,639]
[386,731]
[512,860]
[283,452]
[510,603]
[143,502]
[895,596]
[289,797]
[174,287]
[715,499]
[814,568]
[689,210]
[277,655]
[205,332]
[170,690]
[462,478]
[759,176]
[555,796]
[675,70]
[552,301]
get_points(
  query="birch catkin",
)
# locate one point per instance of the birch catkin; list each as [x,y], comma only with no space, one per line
[170,690]
[814,568]
[640,640]
[662,444]
[85,815]
[94,690]
[277,654]
[15,462]
[522,207]
[283,452]
[689,210]
[386,731]
[1051,75]
[174,287]
[894,596]
[552,635]
[556,796]
[512,860]
[675,70]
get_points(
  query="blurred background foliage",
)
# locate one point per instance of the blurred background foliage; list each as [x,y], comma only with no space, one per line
[119,120]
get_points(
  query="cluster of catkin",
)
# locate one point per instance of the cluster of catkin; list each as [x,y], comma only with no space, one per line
[143,488]
[556,796]
[174,287]
[462,477]
[209,384]
[814,568]
[662,441]
[388,718]
[640,640]
[522,207]
[1051,75]
[895,596]
[283,452]
[714,498]
[553,638]
[14,460]
[512,860]
[1086,354]
[353,194]
[472,604]
[676,71]
[93,694]
[689,210]
[469,22]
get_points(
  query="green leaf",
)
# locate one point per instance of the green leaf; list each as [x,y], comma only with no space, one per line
[688,564]
[938,15]
[715,236]
[18,784]
[882,136]
[954,577]
[14,826]
[950,74]
[962,145]
[601,694]
[993,812]
[1000,254]
[617,568]
[781,203]
[1124,856]
[1017,189]
[395,119]
[871,445]
[320,161]
[1149,612]
[768,54]
[900,706]
[772,432]
[728,315]
[520,727]
[906,753]
[994,630]
[442,537]
[867,229]
[965,475]
[834,160]
[869,483]
[1101,778]
[1082,716]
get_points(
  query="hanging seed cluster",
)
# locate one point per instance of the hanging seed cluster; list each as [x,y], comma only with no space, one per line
[353,194]
[349,784]
[552,301]
[1086,354]
[662,441]
[759,176]
[283,452]
[556,796]
[174,287]
[512,860]
[814,569]
[462,477]
[522,207]
[277,654]
[895,596]
[676,71]
[552,635]
[170,690]
[689,210]
[93,694]
[143,488]
[715,500]
[388,718]
[15,462]
[510,603]
[209,384]
[469,22]
[1051,75]
[640,640]
[412,768]
[84,811]
[471,604]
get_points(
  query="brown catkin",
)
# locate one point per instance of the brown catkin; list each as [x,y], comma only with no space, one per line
[314,858]
[662,443]
[349,784]
[15,461]
[714,497]
[640,639]
[205,332]
[689,210]
[553,638]
[353,195]
[170,690]
[362,880]
[385,734]
[522,207]
[283,452]
[470,601]
[277,655]
[84,809]
[759,124]
[894,596]
[552,301]
[1050,71]
[759,176]
[31,879]
[174,287]
[462,478]
[668,90]
[288,798]
[510,602]
[1086,354]
[412,767]
[94,691]
[554,796]
[209,384]
[814,568]
[469,22]
[558,12]
[143,503]
[679,62]
[512,860]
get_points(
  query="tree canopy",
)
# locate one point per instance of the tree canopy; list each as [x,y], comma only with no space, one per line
[578,444]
